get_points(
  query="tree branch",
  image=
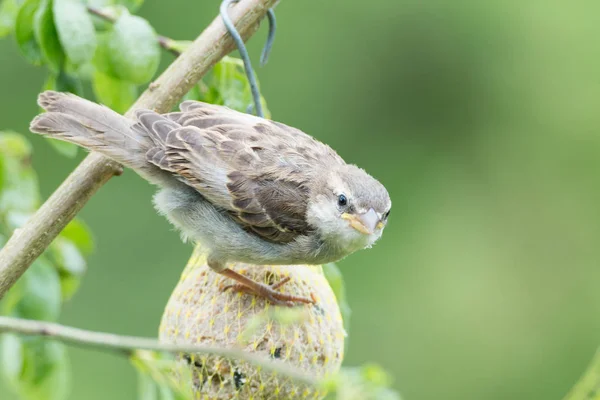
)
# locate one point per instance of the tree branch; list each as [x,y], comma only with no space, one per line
[118,343]
[28,242]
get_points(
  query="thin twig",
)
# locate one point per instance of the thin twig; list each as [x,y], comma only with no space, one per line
[28,242]
[166,43]
[118,343]
[101,14]
[163,41]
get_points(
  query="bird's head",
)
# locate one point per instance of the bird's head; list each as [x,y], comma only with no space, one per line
[349,208]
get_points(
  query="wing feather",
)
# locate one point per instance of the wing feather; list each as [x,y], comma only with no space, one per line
[256,170]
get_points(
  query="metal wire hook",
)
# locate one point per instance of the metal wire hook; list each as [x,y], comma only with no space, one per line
[264,57]
[239,42]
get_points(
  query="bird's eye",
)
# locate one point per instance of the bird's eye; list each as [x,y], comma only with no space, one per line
[387,214]
[342,200]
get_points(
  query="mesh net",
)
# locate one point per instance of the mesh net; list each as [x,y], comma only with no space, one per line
[201,312]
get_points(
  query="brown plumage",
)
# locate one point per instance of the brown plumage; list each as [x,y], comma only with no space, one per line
[265,164]
[249,189]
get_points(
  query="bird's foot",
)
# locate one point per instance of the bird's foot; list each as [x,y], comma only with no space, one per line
[269,292]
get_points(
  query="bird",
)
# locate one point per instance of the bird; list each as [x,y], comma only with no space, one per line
[248,189]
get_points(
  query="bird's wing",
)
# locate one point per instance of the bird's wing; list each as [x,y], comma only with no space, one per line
[256,170]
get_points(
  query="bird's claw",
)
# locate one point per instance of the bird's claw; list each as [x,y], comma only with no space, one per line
[269,292]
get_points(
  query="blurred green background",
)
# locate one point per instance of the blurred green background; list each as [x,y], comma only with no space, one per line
[481,118]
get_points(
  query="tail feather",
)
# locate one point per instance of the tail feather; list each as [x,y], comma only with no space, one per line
[95,127]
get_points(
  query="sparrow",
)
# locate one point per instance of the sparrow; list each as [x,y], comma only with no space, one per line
[248,189]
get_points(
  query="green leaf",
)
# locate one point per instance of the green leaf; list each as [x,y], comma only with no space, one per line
[8,14]
[132,5]
[47,37]
[166,393]
[65,148]
[63,82]
[78,73]
[67,252]
[99,3]
[67,256]
[68,285]
[193,94]
[108,88]
[46,370]
[24,32]
[369,382]
[202,92]
[336,281]
[134,52]
[101,58]
[12,298]
[20,191]
[41,292]
[2,171]
[75,30]
[109,8]
[114,93]
[14,145]
[231,82]
[15,219]
[11,358]
[376,375]
[147,389]
[228,85]
[79,233]
[160,371]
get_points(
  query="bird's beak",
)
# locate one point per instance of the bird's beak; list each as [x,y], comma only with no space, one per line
[364,223]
